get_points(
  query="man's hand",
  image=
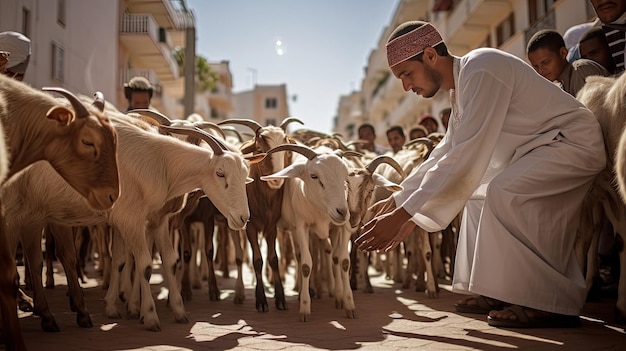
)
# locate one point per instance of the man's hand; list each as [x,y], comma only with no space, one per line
[385,231]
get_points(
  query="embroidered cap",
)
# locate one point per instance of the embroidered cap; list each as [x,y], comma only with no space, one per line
[412,43]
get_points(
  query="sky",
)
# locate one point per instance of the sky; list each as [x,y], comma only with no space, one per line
[317,48]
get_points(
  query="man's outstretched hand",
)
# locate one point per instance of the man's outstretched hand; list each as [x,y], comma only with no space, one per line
[385,231]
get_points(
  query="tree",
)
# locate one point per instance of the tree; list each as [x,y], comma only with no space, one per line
[206,78]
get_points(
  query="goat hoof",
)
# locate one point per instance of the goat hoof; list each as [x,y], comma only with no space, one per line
[368,290]
[620,318]
[432,294]
[154,328]
[281,305]
[49,324]
[84,321]
[262,307]
[132,315]
[351,314]
[214,295]
[304,317]
[183,320]
[238,300]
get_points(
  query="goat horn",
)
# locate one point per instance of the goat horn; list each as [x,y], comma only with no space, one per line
[286,121]
[198,133]
[79,108]
[157,116]
[98,100]
[210,125]
[303,150]
[350,153]
[234,130]
[371,167]
[252,124]
[430,145]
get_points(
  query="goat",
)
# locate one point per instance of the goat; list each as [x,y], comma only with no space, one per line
[88,163]
[315,195]
[264,201]
[154,169]
[606,98]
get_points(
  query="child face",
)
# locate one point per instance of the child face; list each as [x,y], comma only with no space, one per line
[597,50]
[548,63]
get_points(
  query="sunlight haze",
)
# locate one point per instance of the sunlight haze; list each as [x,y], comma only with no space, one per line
[319,49]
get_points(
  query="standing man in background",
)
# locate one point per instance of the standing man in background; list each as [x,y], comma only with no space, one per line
[138,91]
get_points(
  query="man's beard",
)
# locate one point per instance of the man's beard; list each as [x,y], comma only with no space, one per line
[435,78]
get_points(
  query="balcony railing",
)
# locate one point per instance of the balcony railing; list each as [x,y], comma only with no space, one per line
[138,24]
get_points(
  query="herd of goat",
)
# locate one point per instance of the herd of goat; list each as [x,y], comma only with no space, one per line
[138,181]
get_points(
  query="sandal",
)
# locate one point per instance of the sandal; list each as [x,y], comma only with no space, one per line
[524,320]
[483,305]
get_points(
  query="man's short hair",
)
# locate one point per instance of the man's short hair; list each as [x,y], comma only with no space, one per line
[593,32]
[137,84]
[397,129]
[545,39]
[367,125]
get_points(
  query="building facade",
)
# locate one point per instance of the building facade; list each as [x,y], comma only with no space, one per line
[92,45]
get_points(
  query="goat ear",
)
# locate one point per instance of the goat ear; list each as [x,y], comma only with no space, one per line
[380,180]
[293,171]
[61,114]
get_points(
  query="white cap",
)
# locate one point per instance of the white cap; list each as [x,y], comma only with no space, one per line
[18,45]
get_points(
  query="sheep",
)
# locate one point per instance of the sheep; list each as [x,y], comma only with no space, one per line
[315,195]
[153,168]
[88,162]
[606,98]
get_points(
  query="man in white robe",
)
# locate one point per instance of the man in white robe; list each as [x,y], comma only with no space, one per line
[523,152]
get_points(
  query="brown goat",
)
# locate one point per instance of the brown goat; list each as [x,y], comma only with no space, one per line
[81,146]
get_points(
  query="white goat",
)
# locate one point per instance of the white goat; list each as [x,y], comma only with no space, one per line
[606,98]
[315,196]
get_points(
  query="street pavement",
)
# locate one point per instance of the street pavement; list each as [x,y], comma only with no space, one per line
[388,319]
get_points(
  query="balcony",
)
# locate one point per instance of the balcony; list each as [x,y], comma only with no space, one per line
[470,23]
[148,46]
[164,12]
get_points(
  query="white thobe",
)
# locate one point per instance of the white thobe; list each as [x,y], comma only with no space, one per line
[524,153]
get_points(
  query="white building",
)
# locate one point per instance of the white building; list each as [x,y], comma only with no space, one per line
[266,104]
[94,45]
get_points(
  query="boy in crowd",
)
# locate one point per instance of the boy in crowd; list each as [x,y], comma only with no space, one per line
[547,54]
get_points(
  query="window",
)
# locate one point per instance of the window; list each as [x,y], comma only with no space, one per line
[505,30]
[271,103]
[26,22]
[537,9]
[61,12]
[270,121]
[58,61]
